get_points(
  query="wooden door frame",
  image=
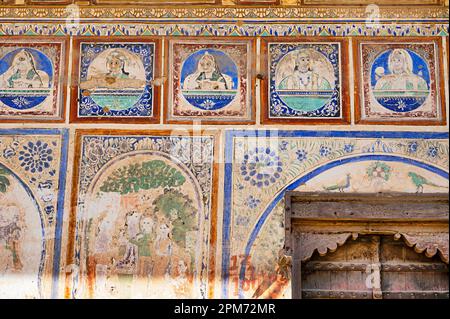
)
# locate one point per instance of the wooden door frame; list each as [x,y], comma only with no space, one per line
[325,221]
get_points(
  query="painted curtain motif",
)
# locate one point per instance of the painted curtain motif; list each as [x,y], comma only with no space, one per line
[32,74]
[210,81]
[305,79]
[32,183]
[143,217]
[115,79]
[400,81]
[267,163]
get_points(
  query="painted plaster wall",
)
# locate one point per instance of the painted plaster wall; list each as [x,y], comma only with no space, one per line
[235,218]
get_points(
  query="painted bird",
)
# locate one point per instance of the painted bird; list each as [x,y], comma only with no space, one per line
[340,186]
[419,181]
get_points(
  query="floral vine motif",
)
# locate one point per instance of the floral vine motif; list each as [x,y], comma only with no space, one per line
[433,151]
[324,151]
[379,170]
[261,167]
[35,157]
[349,148]
[413,147]
[301,155]
[252,202]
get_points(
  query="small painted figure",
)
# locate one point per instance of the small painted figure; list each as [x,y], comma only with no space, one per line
[303,76]
[208,76]
[401,75]
[23,73]
[116,75]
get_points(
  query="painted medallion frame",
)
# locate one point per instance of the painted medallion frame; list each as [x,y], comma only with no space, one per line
[188,99]
[43,75]
[134,62]
[124,147]
[422,91]
[282,98]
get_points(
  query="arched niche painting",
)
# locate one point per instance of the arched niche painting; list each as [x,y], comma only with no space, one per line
[32,185]
[32,74]
[22,246]
[144,215]
[363,177]
[266,164]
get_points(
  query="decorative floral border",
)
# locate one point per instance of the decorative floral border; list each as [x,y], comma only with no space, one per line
[208,28]
[221,12]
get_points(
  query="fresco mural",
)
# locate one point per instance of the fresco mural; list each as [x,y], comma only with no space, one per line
[143,220]
[400,80]
[262,165]
[115,80]
[305,79]
[31,83]
[32,182]
[210,81]
[144,208]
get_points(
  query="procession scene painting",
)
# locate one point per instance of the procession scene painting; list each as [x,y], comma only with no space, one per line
[305,80]
[115,79]
[31,81]
[144,211]
[210,81]
[400,81]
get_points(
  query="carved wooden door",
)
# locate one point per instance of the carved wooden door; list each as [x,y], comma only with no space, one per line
[374,266]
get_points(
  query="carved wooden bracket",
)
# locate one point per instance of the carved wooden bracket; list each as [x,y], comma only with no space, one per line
[430,243]
[323,242]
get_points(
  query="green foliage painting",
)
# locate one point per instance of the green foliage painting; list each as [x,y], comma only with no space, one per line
[147,175]
[4,181]
[178,208]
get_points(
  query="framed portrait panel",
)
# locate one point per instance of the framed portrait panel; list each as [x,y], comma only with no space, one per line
[304,81]
[33,78]
[399,81]
[210,80]
[113,80]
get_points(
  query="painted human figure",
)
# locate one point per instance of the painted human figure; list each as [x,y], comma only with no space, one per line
[208,76]
[163,249]
[10,238]
[116,75]
[130,250]
[144,241]
[401,76]
[23,73]
[303,76]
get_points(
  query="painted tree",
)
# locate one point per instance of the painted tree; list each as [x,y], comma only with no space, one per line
[178,208]
[4,181]
[147,175]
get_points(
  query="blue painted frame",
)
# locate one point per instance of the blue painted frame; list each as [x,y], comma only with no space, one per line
[64,133]
[229,136]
